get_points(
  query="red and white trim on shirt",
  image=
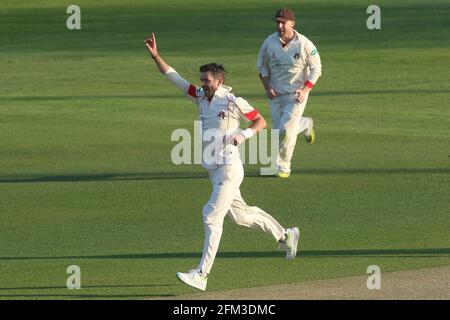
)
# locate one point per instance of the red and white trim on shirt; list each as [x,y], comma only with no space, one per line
[192,91]
[309,84]
[252,114]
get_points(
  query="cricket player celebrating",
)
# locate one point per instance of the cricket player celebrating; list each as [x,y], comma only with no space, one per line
[289,66]
[220,112]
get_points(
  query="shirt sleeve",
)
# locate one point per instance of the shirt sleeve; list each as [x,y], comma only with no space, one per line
[194,92]
[263,60]
[189,89]
[246,111]
[314,63]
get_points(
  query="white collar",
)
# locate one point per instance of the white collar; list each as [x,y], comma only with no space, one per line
[222,91]
[296,37]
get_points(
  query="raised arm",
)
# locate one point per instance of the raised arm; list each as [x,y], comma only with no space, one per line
[153,50]
[166,69]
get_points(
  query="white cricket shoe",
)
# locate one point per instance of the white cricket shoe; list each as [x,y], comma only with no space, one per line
[290,243]
[193,278]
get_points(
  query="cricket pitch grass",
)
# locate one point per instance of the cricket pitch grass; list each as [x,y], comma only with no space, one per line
[86,177]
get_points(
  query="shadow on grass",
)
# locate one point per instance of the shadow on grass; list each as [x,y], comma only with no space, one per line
[107,177]
[399,253]
[250,95]
[418,253]
[92,287]
[370,171]
[84,296]
[204,175]
[73,295]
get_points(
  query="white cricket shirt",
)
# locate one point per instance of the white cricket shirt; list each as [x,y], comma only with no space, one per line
[291,67]
[220,119]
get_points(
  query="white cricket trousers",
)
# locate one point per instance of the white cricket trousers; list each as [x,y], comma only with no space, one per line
[287,117]
[226,199]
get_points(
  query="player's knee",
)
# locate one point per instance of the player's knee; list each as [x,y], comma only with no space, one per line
[211,215]
[212,224]
[208,209]
[240,219]
[235,219]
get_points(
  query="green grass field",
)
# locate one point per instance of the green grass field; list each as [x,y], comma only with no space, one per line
[85,123]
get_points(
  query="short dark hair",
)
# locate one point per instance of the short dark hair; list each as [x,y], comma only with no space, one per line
[285,14]
[217,70]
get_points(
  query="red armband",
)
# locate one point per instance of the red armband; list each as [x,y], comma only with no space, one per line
[192,91]
[252,114]
[309,84]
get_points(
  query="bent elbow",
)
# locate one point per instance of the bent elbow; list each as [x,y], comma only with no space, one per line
[263,123]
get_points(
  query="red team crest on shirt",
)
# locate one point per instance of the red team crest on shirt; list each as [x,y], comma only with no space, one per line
[222,115]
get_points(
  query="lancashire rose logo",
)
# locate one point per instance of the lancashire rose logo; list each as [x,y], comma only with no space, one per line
[221,114]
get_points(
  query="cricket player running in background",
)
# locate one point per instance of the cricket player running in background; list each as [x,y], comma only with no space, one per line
[289,66]
[220,111]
